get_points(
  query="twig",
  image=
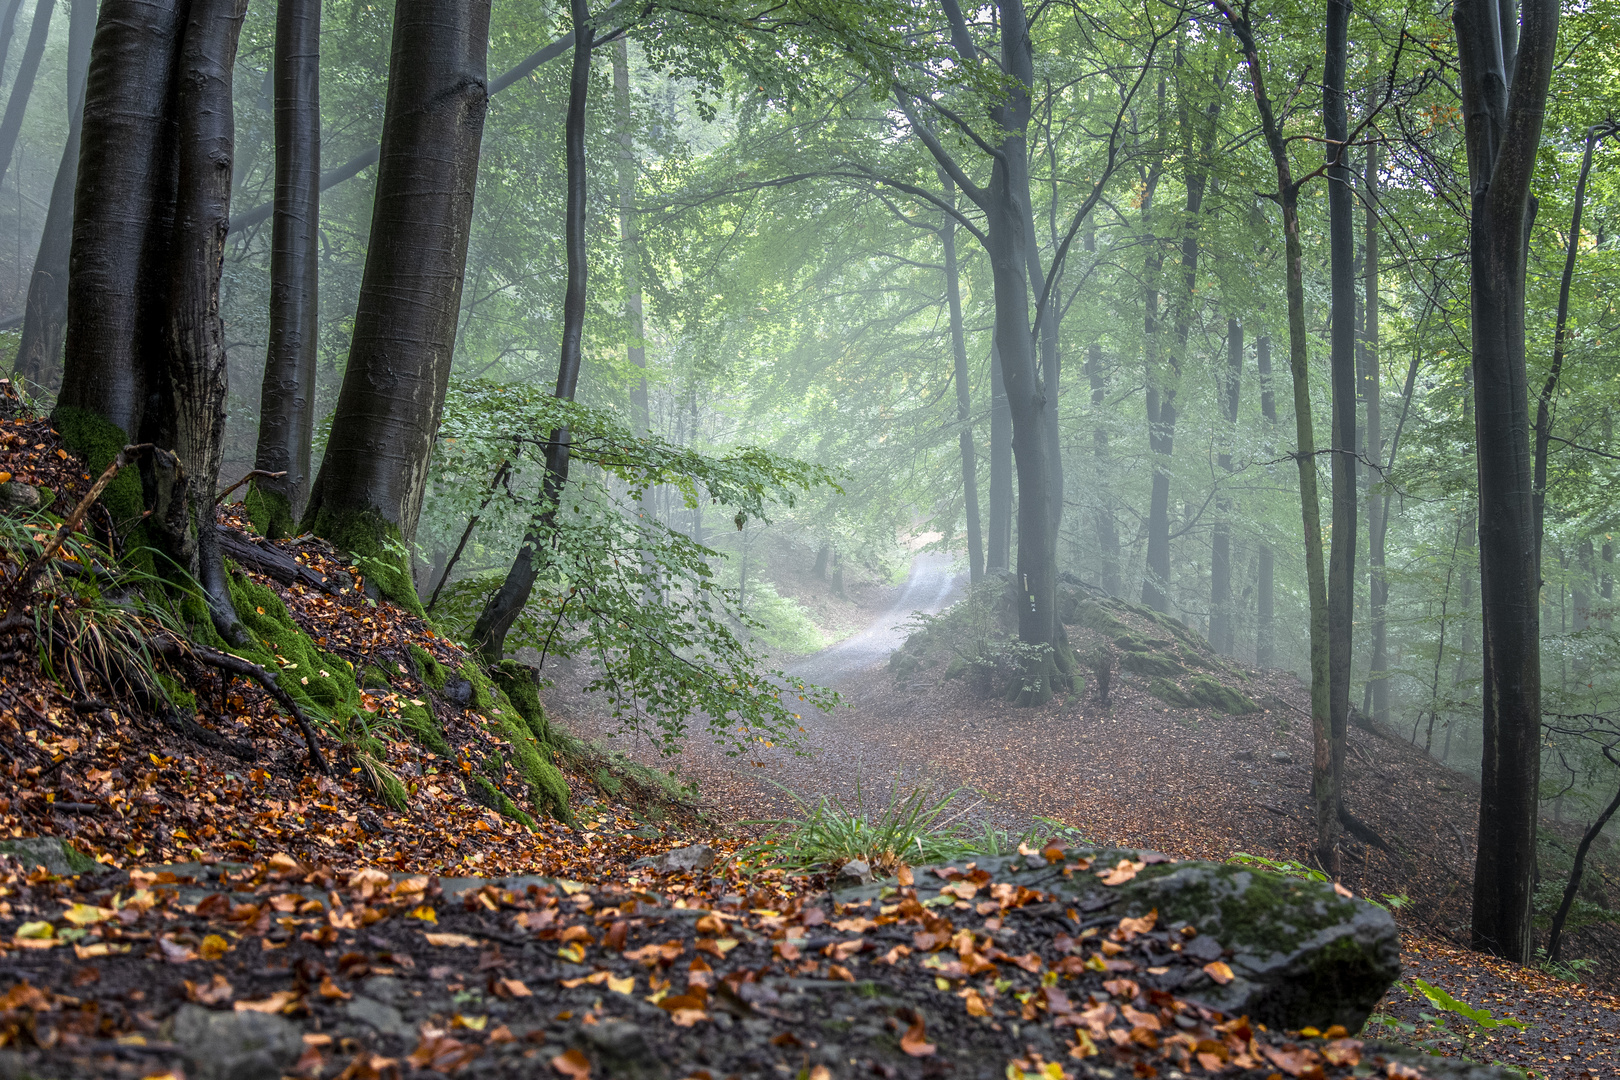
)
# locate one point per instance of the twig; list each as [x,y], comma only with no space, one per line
[238,666]
[256,472]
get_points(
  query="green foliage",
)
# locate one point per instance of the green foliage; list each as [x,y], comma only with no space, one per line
[780,622]
[1286,867]
[1481,1017]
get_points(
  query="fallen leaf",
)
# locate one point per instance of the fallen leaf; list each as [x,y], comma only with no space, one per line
[215,992]
[913,1042]
[451,941]
[87,914]
[1220,971]
[442,1053]
[278,1002]
[213,947]
[572,1063]
[331,991]
[1122,872]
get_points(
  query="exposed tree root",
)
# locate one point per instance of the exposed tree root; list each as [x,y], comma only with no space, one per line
[237,666]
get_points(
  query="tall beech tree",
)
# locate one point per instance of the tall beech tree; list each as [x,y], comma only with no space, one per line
[39,354]
[145,347]
[1222,620]
[1342,378]
[1504,95]
[8,29]
[23,87]
[286,399]
[959,375]
[368,493]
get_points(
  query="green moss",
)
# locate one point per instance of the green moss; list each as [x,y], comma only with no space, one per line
[434,675]
[198,620]
[313,678]
[176,692]
[271,512]
[517,682]
[487,794]
[547,788]
[1171,694]
[1216,695]
[377,548]
[419,722]
[1151,664]
[374,678]
[98,442]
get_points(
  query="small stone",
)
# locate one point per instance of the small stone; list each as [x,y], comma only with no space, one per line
[459,691]
[1282,757]
[856,871]
[18,496]
[624,1050]
[57,856]
[236,1045]
[1244,755]
[386,1019]
[687,859]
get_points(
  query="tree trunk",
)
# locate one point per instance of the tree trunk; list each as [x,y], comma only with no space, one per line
[1555,934]
[39,355]
[287,396]
[964,403]
[1376,701]
[122,214]
[1221,623]
[1325,806]
[1107,529]
[1502,128]
[8,28]
[23,88]
[503,608]
[630,236]
[1265,639]
[1156,573]
[190,389]
[368,493]
[820,569]
[1342,378]
[998,545]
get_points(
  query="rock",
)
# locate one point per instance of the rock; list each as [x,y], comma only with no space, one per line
[17,496]
[1168,692]
[386,1019]
[459,691]
[1214,694]
[1151,664]
[623,1050]
[1302,954]
[1282,757]
[686,859]
[57,856]
[236,1045]
[855,872]
[1244,755]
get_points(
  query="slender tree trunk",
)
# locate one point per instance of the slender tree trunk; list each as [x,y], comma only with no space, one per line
[190,390]
[1265,622]
[1560,343]
[1156,573]
[8,28]
[1377,698]
[630,236]
[1342,377]
[503,608]
[998,546]
[23,88]
[1107,529]
[1326,808]
[1502,116]
[369,490]
[287,396]
[123,212]
[1555,935]
[1222,635]
[964,403]
[39,355]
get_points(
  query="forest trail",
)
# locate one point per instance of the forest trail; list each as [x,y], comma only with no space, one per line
[931,587]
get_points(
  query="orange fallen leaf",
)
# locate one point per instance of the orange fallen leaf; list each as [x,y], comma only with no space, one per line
[572,1063]
[331,991]
[1220,971]
[278,1002]
[913,1041]
[1122,872]
[451,941]
[215,992]
[443,1054]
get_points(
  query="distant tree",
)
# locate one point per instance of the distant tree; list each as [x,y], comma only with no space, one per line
[286,399]
[23,88]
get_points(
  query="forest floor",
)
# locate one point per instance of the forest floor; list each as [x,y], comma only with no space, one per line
[1191,782]
[237,883]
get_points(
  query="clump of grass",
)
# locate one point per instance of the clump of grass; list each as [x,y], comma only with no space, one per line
[914,827]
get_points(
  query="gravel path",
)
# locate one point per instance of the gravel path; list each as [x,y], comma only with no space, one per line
[932,587]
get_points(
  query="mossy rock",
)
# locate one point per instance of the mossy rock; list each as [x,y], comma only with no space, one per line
[1303,955]
[57,856]
[1171,693]
[1094,616]
[1217,695]
[1152,664]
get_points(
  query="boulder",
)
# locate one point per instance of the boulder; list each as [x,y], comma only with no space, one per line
[19,496]
[855,872]
[1152,664]
[1302,954]
[685,860]
[57,856]
[236,1045]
